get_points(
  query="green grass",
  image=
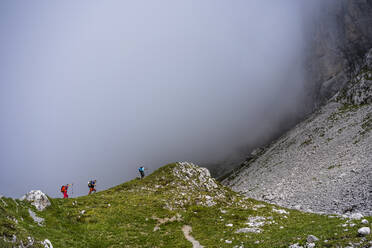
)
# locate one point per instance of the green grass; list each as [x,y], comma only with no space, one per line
[343,112]
[136,207]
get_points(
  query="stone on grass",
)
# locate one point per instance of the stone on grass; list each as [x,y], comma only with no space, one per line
[36,218]
[280,211]
[310,245]
[256,221]
[47,243]
[365,222]
[364,231]
[249,230]
[356,216]
[311,239]
[37,198]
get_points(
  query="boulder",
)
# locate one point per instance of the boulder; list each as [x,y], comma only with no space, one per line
[364,231]
[37,199]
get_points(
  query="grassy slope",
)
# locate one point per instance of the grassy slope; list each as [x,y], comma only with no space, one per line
[135,206]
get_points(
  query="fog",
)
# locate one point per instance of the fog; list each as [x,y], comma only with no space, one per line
[94,89]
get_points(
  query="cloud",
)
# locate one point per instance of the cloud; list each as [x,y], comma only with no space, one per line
[94,89]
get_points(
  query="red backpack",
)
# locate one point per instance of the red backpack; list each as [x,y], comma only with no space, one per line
[63,189]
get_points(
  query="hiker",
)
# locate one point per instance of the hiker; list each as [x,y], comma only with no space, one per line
[142,171]
[91,185]
[64,189]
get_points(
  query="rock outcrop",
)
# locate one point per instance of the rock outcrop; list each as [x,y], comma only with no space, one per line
[37,198]
[194,185]
[359,90]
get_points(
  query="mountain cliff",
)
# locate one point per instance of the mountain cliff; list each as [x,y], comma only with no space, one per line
[341,35]
[324,164]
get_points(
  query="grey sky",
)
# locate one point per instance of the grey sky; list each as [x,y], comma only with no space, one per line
[93,89]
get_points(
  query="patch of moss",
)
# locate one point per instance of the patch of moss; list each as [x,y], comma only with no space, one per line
[334,166]
[306,142]
[340,130]
[343,111]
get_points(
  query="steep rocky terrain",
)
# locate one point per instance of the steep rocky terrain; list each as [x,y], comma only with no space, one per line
[324,164]
[342,34]
[179,205]
[337,35]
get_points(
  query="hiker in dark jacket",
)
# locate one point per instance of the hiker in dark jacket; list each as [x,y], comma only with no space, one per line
[91,185]
[142,171]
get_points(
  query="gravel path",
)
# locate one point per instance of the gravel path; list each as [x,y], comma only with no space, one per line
[186,231]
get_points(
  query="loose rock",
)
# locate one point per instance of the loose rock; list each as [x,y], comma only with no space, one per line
[249,230]
[47,243]
[365,222]
[311,239]
[356,216]
[37,219]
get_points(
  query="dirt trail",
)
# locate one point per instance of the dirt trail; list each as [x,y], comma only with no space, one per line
[186,231]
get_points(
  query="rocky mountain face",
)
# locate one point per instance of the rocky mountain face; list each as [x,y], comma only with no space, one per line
[324,164]
[338,34]
[341,36]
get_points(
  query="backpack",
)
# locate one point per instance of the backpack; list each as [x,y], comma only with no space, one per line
[63,188]
[141,169]
[90,184]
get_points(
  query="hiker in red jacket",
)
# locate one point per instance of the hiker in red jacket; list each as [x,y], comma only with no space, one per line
[64,189]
